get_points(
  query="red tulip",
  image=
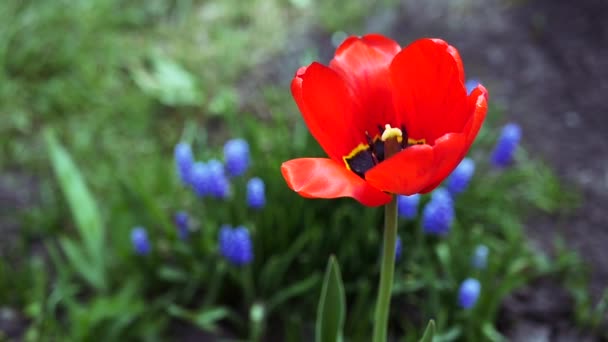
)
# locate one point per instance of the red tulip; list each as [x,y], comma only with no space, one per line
[376,100]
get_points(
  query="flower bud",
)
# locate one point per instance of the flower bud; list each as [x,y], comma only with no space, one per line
[201,179]
[219,186]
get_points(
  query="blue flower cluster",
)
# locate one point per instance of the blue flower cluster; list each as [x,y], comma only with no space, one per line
[407,206]
[235,245]
[468,293]
[507,143]
[212,178]
[139,240]
[461,176]
[438,214]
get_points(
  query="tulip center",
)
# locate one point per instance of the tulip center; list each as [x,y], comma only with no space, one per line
[388,142]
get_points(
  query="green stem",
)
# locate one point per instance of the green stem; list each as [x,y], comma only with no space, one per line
[386,272]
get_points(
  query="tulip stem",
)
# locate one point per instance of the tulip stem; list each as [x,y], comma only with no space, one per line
[386,271]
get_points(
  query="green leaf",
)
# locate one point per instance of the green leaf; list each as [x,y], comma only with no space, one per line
[294,290]
[429,332]
[82,205]
[80,263]
[332,307]
[204,319]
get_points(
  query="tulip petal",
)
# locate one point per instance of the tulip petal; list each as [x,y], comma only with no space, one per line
[405,173]
[326,178]
[478,104]
[449,150]
[363,62]
[428,78]
[328,109]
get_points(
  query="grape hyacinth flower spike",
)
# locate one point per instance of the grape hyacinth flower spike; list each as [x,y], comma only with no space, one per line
[201,179]
[236,156]
[438,214]
[181,223]
[461,176]
[408,206]
[256,197]
[505,148]
[140,241]
[219,186]
[471,84]
[398,248]
[468,293]
[235,245]
[184,161]
[480,257]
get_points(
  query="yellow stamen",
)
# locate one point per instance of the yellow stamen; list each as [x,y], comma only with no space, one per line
[411,141]
[391,132]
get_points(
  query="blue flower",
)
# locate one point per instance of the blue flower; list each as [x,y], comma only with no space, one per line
[184,160]
[398,248]
[408,206]
[201,179]
[181,222]
[471,84]
[236,156]
[469,293]
[219,186]
[480,257]
[235,245]
[256,197]
[438,214]
[139,240]
[461,176]
[507,143]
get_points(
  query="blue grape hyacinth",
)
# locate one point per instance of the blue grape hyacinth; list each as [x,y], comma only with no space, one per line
[235,245]
[184,161]
[471,84]
[256,196]
[398,248]
[236,156]
[480,257]
[181,220]
[408,206]
[506,145]
[140,241]
[201,179]
[461,176]
[468,293]
[438,214]
[219,186]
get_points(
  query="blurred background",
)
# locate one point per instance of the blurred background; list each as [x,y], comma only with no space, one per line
[104,239]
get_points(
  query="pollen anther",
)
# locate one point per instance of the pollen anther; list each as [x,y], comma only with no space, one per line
[391,132]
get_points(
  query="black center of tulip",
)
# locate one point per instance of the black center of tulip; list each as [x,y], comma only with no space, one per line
[365,156]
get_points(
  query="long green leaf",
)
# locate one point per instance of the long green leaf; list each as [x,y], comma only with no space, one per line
[429,332]
[81,203]
[332,307]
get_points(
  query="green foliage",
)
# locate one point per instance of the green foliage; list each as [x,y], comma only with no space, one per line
[332,306]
